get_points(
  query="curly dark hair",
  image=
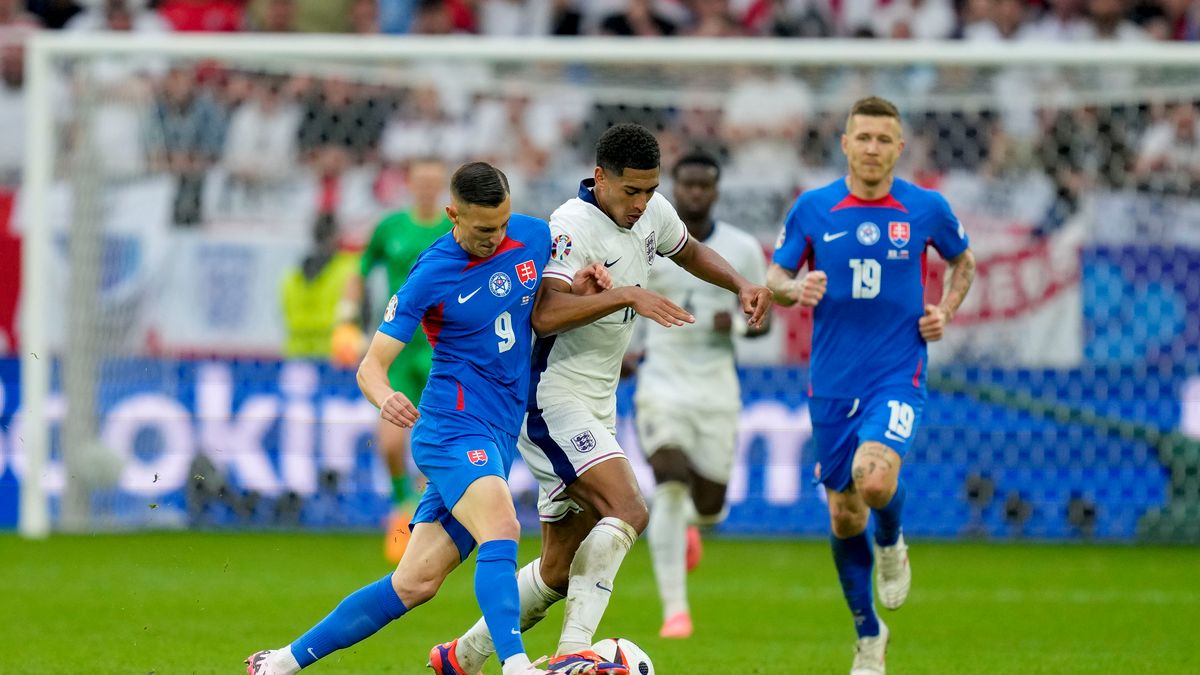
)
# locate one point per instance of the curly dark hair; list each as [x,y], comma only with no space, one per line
[697,158]
[627,146]
[479,183]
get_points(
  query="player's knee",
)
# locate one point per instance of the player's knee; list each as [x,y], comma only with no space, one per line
[415,587]
[875,491]
[503,529]
[669,465]
[631,509]
[846,522]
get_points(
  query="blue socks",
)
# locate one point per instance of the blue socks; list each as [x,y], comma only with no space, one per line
[887,519]
[496,591]
[356,618]
[853,560]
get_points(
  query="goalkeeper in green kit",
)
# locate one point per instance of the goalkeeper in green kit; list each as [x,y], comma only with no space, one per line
[397,241]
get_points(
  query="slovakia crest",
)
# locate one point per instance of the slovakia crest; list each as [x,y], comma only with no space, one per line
[867,233]
[898,233]
[560,248]
[390,312]
[477,457]
[500,284]
[527,274]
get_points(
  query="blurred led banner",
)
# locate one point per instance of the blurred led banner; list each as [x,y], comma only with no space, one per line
[299,433]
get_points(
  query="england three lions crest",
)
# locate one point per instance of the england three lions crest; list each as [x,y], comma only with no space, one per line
[651,246]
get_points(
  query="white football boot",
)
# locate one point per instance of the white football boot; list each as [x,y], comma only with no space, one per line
[870,652]
[893,575]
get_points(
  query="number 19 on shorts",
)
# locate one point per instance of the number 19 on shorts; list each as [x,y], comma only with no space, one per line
[868,278]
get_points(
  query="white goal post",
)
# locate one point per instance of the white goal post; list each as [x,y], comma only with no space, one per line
[48,53]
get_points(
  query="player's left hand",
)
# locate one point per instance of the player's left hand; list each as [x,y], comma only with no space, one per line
[594,278]
[756,302]
[933,324]
[400,411]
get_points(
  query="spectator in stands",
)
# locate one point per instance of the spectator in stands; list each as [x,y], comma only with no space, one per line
[422,127]
[1002,20]
[54,14]
[203,16]
[16,23]
[713,18]
[760,134]
[337,115]
[566,17]
[1173,20]
[1108,22]
[638,20]
[310,293]
[273,16]
[515,17]
[261,148]
[790,18]
[12,113]
[1169,152]
[364,17]
[916,19]
[1083,148]
[443,17]
[118,15]
[1063,21]
[189,138]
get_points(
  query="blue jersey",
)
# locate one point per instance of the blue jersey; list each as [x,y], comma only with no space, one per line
[865,329]
[476,314]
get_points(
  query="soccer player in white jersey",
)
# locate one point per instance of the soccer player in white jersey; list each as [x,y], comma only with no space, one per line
[688,397]
[591,508]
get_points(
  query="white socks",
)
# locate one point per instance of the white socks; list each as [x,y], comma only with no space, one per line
[282,662]
[591,582]
[475,646]
[669,516]
[515,665]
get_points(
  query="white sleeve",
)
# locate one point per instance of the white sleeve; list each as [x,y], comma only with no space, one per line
[755,268]
[566,249]
[672,234]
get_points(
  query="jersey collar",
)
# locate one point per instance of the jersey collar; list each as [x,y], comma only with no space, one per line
[587,193]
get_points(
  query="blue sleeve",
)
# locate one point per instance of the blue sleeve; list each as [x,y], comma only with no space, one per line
[792,249]
[407,307]
[949,237]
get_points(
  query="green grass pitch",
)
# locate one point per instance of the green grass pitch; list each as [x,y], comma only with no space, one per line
[199,603]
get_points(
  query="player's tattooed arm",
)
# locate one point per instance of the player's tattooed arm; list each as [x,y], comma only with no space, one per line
[393,406]
[559,309]
[932,325]
[706,264]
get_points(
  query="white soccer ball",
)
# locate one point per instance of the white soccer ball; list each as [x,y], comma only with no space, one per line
[624,652]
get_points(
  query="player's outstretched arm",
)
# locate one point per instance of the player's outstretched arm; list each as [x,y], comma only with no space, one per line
[706,264]
[373,381]
[558,309]
[807,290]
[932,325]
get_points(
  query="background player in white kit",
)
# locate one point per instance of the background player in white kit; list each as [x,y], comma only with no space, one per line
[592,510]
[688,398]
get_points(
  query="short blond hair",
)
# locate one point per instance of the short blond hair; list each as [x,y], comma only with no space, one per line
[874,106]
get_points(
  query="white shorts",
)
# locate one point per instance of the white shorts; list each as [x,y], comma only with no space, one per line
[706,437]
[559,445]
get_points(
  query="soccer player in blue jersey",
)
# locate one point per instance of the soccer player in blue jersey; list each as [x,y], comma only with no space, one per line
[864,238]
[473,292]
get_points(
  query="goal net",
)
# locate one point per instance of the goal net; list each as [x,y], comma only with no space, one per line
[178,189]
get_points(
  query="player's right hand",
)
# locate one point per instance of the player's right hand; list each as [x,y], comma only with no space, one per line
[809,290]
[400,411]
[658,308]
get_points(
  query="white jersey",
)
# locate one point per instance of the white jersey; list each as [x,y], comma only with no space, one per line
[584,363]
[694,365]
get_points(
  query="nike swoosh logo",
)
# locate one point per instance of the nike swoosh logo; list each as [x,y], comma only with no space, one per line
[462,298]
[831,237]
[515,632]
[313,654]
[601,587]
[610,264]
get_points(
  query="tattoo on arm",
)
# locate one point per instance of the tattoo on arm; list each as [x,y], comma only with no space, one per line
[962,273]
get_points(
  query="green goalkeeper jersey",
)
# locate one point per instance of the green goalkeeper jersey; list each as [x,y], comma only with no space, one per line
[397,241]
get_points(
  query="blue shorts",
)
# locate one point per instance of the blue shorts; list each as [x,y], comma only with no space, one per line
[454,450]
[889,416]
